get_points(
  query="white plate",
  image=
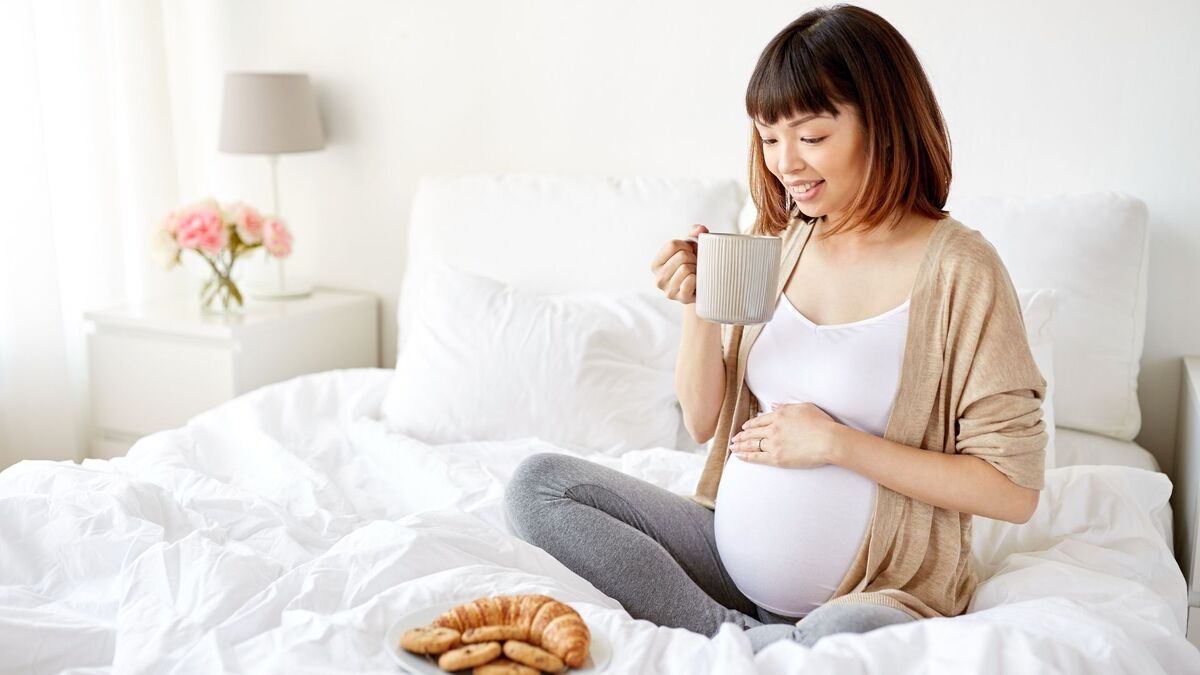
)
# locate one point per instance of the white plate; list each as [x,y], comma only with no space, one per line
[599,652]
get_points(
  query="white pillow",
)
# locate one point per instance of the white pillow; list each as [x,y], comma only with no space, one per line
[1038,309]
[588,371]
[1093,250]
[1083,447]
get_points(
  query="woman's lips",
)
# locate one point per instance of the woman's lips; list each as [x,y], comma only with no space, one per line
[810,195]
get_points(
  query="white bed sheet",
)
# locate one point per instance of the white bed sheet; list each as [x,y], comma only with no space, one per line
[287,529]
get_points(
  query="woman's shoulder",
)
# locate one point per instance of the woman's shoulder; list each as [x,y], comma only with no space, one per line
[964,253]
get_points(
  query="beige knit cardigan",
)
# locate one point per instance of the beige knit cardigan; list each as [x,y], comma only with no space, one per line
[968,384]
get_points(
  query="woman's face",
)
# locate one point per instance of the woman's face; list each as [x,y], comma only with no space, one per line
[822,149]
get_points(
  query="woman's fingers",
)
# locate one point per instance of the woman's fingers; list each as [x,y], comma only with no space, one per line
[747,441]
[675,285]
[687,289]
[674,246]
[664,254]
[674,268]
[752,457]
[668,269]
[671,266]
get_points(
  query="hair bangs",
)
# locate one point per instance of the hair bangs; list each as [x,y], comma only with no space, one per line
[787,83]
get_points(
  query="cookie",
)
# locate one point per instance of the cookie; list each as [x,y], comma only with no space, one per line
[503,666]
[494,634]
[468,656]
[430,640]
[536,657]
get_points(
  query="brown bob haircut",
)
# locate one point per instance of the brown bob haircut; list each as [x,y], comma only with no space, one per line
[851,56]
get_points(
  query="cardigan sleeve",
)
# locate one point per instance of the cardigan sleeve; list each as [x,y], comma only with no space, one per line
[1007,431]
[999,408]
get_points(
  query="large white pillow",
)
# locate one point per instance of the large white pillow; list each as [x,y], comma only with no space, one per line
[589,371]
[1093,250]
[1038,310]
[559,233]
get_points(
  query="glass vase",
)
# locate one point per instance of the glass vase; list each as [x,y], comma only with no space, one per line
[220,295]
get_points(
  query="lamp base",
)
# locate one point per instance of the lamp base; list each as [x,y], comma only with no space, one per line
[290,291]
[279,288]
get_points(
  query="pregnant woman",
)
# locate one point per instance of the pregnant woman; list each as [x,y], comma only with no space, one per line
[891,397]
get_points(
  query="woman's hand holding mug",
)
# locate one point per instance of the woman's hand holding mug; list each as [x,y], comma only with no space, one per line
[674,268]
[730,277]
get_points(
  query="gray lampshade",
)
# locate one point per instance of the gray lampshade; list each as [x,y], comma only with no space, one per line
[269,114]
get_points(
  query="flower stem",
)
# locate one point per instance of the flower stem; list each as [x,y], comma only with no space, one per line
[220,285]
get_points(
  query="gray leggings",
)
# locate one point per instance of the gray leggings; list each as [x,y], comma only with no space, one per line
[654,552]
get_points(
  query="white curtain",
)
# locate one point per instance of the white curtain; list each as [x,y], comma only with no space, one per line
[87,167]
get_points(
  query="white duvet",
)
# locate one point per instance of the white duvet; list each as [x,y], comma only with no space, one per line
[287,530]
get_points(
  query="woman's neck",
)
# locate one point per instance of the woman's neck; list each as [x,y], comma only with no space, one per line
[851,242]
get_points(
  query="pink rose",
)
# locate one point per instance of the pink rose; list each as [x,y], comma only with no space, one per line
[276,238]
[170,223]
[201,227]
[247,221]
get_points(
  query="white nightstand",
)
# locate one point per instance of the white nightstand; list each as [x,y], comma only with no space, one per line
[155,366]
[1186,492]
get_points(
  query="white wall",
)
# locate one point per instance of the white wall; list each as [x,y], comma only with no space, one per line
[1041,97]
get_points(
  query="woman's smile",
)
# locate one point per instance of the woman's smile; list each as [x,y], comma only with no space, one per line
[806,192]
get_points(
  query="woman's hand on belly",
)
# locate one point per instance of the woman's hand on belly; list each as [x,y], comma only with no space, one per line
[794,435]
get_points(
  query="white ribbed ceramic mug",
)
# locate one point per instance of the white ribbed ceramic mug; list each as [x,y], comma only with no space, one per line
[736,277]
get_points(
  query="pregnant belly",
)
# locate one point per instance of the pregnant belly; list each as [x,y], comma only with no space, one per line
[787,536]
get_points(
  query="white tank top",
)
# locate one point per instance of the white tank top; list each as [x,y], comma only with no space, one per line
[787,536]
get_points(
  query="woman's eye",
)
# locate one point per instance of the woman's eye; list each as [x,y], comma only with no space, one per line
[806,141]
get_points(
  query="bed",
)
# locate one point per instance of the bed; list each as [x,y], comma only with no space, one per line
[287,529]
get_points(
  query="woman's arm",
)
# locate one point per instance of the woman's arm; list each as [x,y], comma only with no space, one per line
[962,483]
[700,374]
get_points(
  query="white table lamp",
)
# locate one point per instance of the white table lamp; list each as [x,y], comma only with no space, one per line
[271,114]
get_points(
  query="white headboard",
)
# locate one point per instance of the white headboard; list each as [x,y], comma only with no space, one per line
[560,234]
[563,233]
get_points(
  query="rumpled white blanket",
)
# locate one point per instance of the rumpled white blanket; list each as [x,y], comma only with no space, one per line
[286,530]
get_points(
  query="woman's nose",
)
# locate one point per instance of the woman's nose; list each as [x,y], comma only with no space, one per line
[790,162]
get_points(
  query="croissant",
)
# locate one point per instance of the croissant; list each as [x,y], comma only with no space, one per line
[544,621]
